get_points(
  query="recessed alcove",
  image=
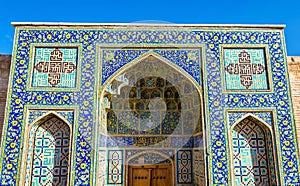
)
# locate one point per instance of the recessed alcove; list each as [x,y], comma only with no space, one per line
[152,107]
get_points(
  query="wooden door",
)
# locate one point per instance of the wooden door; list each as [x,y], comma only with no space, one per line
[141,176]
[161,176]
[150,175]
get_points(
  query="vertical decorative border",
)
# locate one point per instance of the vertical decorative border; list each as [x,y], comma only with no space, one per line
[184,166]
[199,171]
[288,98]
[115,163]
[102,162]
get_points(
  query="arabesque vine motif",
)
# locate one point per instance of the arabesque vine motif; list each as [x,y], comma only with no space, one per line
[84,97]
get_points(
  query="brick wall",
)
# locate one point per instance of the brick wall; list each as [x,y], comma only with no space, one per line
[4,74]
[294,74]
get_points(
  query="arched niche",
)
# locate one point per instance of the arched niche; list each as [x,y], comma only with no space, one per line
[151,97]
[253,159]
[152,103]
[48,151]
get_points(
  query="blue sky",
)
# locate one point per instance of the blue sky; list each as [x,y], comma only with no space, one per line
[185,11]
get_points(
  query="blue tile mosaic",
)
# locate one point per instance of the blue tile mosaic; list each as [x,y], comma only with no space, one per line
[50,158]
[35,114]
[189,60]
[165,152]
[89,39]
[150,158]
[265,116]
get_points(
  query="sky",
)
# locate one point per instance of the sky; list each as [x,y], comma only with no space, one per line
[154,11]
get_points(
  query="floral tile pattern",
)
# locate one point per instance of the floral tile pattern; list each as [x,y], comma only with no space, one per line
[211,41]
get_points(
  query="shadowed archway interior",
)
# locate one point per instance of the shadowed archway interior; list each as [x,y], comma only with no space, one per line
[151,107]
[50,165]
[253,153]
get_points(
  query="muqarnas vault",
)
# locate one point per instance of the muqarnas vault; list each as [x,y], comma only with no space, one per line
[126,104]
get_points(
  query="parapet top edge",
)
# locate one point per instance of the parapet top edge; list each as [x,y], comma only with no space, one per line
[112,25]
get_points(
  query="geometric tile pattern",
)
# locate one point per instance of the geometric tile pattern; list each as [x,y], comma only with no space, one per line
[55,67]
[250,154]
[198,167]
[271,157]
[51,153]
[217,101]
[115,167]
[245,69]
[184,167]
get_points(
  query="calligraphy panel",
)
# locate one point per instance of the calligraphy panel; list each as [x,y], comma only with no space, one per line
[245,69]
[55,67]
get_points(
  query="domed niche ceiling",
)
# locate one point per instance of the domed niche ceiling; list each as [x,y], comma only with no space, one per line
[152,98]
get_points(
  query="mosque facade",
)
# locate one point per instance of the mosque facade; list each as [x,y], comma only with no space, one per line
[149,104]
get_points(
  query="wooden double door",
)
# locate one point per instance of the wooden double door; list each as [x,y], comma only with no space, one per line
[150,175]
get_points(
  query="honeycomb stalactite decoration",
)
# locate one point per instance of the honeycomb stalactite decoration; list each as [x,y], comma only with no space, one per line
[152,98]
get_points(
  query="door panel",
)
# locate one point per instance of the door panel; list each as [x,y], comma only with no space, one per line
[150,175]
[141,176]
[160,176]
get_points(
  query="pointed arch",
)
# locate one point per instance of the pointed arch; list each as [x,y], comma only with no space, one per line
[163,156]
[46,116]
[141,59]
[48,151]
[252,150]
[121,79]
[139,72]
[256,118]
